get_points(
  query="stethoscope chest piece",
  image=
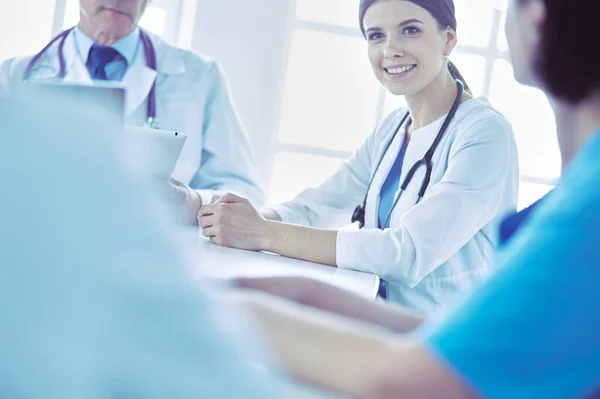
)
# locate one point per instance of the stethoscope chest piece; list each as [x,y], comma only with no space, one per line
[359,216]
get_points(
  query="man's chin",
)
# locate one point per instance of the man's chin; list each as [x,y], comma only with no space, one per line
[117,24]
[117,16]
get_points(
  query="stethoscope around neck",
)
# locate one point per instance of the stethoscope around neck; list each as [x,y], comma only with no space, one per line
[426,161]
[149,54]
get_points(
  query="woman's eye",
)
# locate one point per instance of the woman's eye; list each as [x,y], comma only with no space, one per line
[410,30]
[375,36]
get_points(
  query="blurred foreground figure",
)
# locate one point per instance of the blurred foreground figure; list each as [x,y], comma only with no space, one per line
[95,300]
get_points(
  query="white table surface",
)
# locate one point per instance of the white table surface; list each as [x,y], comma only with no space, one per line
[220,262]
[213,261]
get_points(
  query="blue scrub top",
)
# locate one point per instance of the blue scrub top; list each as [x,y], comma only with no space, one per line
[390,186]
[533,329]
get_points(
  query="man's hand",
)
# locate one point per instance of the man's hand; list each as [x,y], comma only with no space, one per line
[185,201]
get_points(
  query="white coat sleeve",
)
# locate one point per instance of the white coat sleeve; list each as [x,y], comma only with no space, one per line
[466,199]
[331,204]
[228,163]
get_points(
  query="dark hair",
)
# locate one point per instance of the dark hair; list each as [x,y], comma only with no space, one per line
[567,60]
[442,10]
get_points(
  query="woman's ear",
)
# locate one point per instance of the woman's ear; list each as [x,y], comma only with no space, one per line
[451,40]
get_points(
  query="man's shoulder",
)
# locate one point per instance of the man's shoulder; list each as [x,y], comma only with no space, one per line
[190,56]
[193,62]
[14,66]
[577,196]
[12,73]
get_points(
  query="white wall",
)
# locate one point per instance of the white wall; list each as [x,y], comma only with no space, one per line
[249,38]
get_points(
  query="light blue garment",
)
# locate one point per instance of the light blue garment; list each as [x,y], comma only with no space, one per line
[127,48]
[533,330]
[390,187]
[96,301]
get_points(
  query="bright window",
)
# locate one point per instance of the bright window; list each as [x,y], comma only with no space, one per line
[306,169]
[321,91]
[25,26]
[331,12]
[331,100]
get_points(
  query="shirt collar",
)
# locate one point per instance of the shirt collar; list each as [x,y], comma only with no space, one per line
[127,46]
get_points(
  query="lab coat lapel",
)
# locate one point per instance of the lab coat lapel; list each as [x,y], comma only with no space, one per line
[419,144]
[45,70]
[48,67]
[138,81]
[75,68]
[139,77]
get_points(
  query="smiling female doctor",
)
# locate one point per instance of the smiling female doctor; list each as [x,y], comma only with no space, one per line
[167,87]
[437,176]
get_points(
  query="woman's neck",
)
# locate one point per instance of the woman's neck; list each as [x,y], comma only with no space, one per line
[434,101]
[575,125]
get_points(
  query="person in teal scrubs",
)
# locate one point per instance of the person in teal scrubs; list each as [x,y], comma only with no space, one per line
[533,329]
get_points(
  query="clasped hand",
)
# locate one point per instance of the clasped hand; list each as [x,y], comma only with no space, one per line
[232,221]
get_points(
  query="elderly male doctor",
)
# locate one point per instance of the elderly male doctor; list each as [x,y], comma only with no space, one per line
[191,95]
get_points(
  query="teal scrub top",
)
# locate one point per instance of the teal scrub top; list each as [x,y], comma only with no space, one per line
[533,329]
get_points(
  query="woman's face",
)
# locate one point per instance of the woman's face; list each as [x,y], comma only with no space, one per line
[406,46]
[523,24]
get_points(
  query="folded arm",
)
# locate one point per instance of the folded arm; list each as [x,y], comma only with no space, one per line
[352,358]
[326,297]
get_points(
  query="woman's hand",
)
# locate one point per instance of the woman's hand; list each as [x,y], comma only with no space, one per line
[232,221]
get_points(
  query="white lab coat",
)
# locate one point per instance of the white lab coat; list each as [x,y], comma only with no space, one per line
[192,97]
[446,243]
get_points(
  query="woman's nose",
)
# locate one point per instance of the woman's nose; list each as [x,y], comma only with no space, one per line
[393,49]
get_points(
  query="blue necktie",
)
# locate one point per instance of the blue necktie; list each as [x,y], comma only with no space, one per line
[98,59]
[390,186]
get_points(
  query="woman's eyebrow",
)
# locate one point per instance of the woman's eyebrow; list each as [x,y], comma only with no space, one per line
[400,25]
